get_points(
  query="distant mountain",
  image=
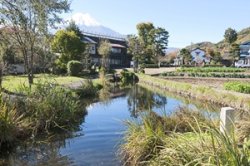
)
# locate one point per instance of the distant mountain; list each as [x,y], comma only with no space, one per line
[171,50]
[202,45]
[100,30]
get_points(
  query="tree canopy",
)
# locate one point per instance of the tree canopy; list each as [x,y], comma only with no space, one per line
[68,45]
[73,27]
[104,50]
[27,22]
[230,35]
[154,41]
[186,56]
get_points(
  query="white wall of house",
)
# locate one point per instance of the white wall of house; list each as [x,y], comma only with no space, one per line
[199,55]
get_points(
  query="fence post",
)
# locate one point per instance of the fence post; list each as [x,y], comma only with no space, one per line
[227,120]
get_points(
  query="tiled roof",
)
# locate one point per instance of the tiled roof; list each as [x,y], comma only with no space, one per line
[88,40]
[117,45]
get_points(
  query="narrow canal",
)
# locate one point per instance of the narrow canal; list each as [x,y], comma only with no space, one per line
[98,138]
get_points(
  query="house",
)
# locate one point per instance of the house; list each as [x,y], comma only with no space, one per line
[199,56]
[244,60]
[118,57]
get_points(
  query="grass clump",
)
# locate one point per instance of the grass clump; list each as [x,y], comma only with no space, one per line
[51,107]
[13,124]
[145,139]
[88,89]
[153,141]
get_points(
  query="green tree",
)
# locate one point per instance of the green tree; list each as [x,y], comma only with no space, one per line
[230,36]
[160,44]
[27,21]
[73,27]
[235,52]
[104,50]
[160,40]
[186,56]
[154,41]
[68,45]
[145,33]
[135,49]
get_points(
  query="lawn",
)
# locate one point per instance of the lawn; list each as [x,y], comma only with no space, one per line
[15,83]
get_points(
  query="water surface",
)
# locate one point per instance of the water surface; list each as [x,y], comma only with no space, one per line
[97,141]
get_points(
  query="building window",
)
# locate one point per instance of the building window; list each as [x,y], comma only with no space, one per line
[92,49]
[116,50]
[95,60]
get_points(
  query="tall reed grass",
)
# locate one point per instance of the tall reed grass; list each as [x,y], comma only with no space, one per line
[154,141]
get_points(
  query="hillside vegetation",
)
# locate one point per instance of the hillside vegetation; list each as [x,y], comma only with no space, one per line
[243,36]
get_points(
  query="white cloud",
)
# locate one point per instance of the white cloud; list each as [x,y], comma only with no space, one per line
[84,19]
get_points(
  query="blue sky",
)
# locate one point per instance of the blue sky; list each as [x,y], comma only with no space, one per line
[186,20]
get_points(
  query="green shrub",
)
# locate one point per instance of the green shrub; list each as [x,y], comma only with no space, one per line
[59,67]
[238,87]
[87,89]
[50,107]
[74,68]
[128,77]
[12,124]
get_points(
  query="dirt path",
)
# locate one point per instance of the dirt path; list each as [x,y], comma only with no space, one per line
[153,71]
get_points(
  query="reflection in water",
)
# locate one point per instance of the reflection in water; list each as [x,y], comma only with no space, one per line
[140,99]
[97,138]
[38,154]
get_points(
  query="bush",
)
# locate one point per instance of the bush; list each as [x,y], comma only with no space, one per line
[59,67]
[87,89]
[51,107]
[74,68]
[128,77]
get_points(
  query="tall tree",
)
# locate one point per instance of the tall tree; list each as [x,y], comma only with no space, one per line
[104,50]
[160,44]
[230,36]
[68,45]
[27,21]
[154,40]
[235,52]
[73,27]
[144,32]
[136,50]
[186,56]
